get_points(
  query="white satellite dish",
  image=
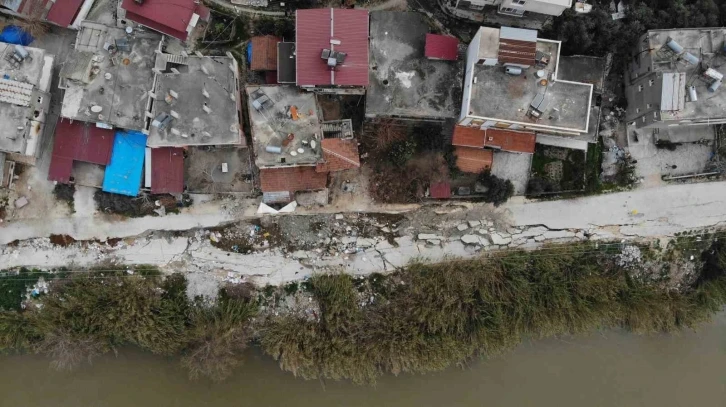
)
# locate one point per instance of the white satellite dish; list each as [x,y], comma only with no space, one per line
[96,109]
[129,30]
[313,143]
[300,150]
[292,153]
[108,75]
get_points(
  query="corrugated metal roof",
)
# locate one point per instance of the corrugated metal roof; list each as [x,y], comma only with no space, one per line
[167,170]
[264,53]
[78,141]
[63,12]
[292,179]
[123,174]
[442,47]
[473,160]
[519,34]
[170,17]
[316,29]
[673,92]
[440,190]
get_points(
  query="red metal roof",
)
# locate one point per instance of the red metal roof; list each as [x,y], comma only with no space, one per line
[264,53]
[292,179]
[505,140]
[170,17]
[78,141]
[442,47]
[339,155]
[63,12]
[474,160]
[167,170]
[314,33]
[440,190]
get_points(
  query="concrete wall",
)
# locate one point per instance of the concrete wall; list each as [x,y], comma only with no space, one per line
[644,96]
[472,56]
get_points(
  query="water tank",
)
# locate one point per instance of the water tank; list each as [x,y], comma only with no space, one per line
[674,46]
[692,95]
[540,73]
[690,58]
[714,86]
[273,149]
[20,50]
[513,70]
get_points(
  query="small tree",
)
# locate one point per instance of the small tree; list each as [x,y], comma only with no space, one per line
[498,190]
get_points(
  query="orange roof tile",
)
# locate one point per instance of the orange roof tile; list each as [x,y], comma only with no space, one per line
[264,53]
[474,160]
[339,155]
[505,140]
[292,179]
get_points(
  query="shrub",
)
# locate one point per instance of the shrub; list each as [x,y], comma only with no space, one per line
[498,190]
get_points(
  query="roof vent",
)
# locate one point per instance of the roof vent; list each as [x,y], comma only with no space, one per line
[206,109]
[205,93]
[333,58]
[162,121]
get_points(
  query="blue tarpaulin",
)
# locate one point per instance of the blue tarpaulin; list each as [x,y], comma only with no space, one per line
[249,53]
[12,34]
[123,174]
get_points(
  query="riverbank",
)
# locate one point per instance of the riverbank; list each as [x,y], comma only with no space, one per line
[423,318]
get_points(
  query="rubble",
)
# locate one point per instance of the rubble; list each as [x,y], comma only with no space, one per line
[470,239]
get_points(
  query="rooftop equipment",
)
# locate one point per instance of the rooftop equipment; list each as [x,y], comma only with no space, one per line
[714,86]
[333,58]
[690,58]
[692,95]
[538,105]
[713,74]
[674,46]
[513,70]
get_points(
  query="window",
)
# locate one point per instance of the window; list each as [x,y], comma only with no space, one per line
[519,2]
[637,110]
[655,115]
[509,10]
[643,119]
[640,88]
[648,105]
[651,82]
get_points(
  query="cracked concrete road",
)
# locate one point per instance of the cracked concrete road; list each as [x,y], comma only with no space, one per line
[643,212]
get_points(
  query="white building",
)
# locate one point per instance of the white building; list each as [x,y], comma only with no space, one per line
[517,8]
[511,82]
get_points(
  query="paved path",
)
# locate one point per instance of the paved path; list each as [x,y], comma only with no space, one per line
[643,212]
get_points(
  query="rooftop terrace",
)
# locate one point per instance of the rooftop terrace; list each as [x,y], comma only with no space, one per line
[500,96]
[196,106]
[402,81]
[108,75]
[23,98]
[288,119]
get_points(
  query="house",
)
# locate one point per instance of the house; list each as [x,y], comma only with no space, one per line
[78,142]
[474,147]
[107,78]
[195,101]
[24,100]
[331,47]
[414,74]
[264,53]
[674,79]
[293,148]
[517,8]
[512,82]
[63,13]
[175,18]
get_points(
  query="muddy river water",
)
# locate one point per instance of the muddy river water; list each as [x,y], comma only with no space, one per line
[610,369]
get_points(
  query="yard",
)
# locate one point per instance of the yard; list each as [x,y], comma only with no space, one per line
[557,170]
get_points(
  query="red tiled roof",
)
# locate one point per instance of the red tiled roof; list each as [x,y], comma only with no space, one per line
[167,170]
[339,155]
[474,160]
[264,53]
[505,140]
[440,190]
[78,141]
[170,17]
[442,47]
[292,179]
[63,12]
[313,34]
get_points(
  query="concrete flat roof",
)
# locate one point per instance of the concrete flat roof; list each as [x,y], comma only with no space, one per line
[402,81]
[500,96]
[202,82]
[704,43]
[291,112]
[20,126]
[116,82]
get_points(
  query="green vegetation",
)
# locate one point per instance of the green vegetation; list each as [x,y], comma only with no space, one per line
[498,190]
[420,319]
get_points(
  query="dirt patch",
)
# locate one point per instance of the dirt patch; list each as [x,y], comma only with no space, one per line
[62,240]
[140,206]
